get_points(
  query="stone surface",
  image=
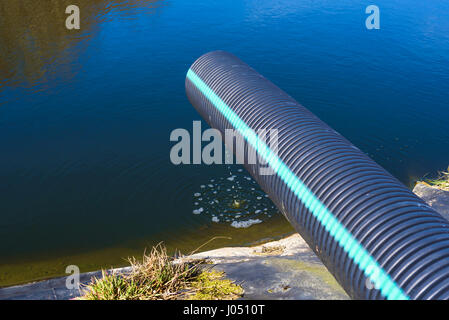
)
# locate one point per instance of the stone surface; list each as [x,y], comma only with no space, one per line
[53,289]
[438,199]
[284,269]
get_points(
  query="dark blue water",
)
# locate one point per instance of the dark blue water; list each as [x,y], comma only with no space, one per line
[85,116]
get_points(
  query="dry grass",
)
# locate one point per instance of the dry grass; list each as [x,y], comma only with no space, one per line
[442,182]
[270,250]
[159,277]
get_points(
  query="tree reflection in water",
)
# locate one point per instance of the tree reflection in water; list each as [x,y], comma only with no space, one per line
[35,45]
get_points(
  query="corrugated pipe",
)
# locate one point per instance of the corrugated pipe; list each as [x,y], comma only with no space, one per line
[376,237]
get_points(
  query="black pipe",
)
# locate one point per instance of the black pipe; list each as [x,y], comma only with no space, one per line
[376,237]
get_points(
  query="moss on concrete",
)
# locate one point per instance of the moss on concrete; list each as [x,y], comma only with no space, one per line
[316,270]
[211,285]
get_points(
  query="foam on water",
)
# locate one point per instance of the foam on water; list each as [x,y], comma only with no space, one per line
[198,211]
[236,199]
[245,224]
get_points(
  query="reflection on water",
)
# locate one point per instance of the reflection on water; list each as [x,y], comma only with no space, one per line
[36,47]
[86,115]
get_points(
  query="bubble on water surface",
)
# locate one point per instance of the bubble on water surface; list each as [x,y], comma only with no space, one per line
[236,199]
[245,224]
[198,211]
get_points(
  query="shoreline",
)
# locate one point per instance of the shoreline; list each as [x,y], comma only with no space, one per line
[277,262]
[239,264]
[39,268]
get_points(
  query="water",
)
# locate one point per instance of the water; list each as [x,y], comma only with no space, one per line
[85,116]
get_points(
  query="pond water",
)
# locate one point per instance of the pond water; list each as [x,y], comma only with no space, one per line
[85,116]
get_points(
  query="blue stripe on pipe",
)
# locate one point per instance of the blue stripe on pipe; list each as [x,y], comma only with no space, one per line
[379,277]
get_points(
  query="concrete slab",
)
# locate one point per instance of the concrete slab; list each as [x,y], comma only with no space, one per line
[438,199]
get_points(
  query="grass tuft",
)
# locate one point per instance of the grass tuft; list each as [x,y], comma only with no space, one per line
[159,277]
[442,182]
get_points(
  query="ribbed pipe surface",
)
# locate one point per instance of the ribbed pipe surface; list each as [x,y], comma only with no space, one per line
[376,237]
